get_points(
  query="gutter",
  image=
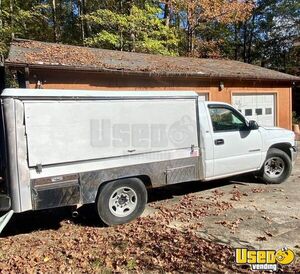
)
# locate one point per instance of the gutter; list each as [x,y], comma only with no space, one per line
[146,73]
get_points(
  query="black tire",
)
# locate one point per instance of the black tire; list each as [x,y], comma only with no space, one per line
[286,163]
[116,214]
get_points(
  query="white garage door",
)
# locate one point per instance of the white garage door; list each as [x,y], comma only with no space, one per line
[258,107]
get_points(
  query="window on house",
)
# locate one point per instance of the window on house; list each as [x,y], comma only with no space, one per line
[258,111]
[268,111]
[248,112]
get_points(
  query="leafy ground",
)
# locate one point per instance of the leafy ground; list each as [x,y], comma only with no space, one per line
[164,241]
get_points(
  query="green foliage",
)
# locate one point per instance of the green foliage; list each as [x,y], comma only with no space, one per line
[267,38]
[23,21]
[131,264]
[10,79]
[263,35]
[295,118]
[140,30]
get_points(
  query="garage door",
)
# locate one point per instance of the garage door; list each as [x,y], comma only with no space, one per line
[258,107]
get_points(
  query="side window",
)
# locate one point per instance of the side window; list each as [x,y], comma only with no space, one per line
[224,119]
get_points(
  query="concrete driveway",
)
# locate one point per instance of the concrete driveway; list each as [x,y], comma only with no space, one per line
[240,212]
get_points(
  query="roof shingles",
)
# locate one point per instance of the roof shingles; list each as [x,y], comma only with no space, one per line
[42,54]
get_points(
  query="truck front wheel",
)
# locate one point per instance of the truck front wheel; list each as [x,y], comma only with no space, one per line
[121,201]
[277,167]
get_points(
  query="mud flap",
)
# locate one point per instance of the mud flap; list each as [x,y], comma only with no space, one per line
[5,219]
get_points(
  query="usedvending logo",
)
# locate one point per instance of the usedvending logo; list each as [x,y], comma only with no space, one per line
[264,259]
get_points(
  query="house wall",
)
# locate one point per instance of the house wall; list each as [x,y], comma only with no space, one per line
[62,79]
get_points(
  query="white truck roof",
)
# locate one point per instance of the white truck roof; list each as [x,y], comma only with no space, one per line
[64,93]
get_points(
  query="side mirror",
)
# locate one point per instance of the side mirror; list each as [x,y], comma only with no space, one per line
[253,125]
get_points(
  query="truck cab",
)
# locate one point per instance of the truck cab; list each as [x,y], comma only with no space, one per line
[233,145]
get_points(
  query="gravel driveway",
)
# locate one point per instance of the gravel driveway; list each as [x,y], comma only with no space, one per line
[190,227]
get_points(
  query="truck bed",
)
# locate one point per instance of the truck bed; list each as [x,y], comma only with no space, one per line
[62,145]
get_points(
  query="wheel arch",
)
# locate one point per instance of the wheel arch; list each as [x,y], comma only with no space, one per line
[145,179]
[285,147]
[281,150]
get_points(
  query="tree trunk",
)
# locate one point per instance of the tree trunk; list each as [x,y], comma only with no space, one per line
[121,40]
[245,43]
[249,52]
[190,32]
[189,40]
[88,29]
[11,7]
[54,19]
[284,61]
[235,42]
[133,39]
[167,14]
[81,13]
[1,24]
[192,36]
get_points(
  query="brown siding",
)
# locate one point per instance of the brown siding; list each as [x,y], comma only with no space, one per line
[101,81]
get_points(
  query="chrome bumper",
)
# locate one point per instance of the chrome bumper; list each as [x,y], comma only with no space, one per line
[294,153]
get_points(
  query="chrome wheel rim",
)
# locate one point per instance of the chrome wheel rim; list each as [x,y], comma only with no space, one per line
[123,202]
[274,167]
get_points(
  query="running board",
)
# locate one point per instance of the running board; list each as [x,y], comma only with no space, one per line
[5,219]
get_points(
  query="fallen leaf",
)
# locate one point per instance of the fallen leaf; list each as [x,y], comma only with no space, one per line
[261,238]
[269,234]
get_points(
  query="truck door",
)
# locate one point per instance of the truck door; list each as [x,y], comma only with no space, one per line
[237,149]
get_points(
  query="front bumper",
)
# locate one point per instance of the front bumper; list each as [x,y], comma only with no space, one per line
[294,154]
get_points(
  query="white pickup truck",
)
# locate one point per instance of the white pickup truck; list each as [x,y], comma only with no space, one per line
[69,148]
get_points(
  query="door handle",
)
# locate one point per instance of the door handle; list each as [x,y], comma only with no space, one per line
[219,142]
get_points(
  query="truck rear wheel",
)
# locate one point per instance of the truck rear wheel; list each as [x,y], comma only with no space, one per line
[277,167]
[121,201]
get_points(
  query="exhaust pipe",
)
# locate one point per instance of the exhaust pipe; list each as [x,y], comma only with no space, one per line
[75,214]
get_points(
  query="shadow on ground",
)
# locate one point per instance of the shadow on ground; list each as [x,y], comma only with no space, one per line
[51,219]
